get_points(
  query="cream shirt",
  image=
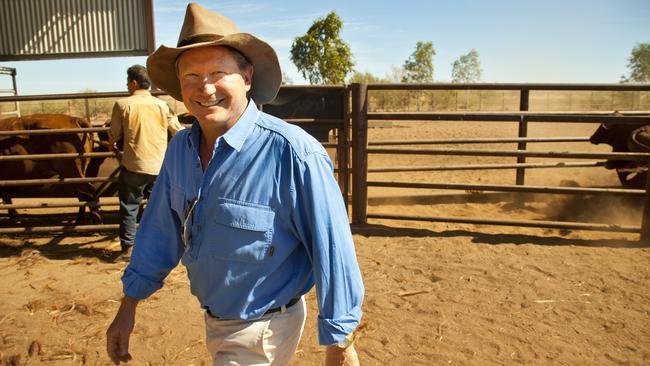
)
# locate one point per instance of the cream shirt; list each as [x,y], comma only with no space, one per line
[143,120]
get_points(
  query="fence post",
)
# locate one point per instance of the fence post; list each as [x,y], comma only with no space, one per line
[359,153]
[523,132]
[87,105]
[343,147]
[645,224]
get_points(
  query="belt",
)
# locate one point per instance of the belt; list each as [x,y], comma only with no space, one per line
[291,303]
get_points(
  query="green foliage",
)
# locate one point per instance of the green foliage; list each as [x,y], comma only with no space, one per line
[467,69]
[418,68]
[639,64]
[321,55]
[365,77]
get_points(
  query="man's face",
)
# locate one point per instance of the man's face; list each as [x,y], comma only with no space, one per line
[213,87]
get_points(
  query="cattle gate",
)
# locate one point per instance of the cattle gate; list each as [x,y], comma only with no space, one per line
[339,117]
[362,149]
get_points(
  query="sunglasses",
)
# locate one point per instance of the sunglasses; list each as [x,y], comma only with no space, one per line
[186,233]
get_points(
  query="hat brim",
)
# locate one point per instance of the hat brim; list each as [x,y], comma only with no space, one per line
[267,75]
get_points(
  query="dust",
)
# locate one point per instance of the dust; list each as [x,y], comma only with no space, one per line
[613,210]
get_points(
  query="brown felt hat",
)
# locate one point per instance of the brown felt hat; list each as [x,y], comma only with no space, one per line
[203,28]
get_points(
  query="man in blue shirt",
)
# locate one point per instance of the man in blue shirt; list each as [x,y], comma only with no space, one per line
[248,203]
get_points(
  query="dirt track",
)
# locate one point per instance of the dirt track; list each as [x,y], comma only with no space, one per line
[436,293]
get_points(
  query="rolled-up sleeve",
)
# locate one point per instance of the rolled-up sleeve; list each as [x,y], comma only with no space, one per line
[115,131]
[158,247]
[321,222]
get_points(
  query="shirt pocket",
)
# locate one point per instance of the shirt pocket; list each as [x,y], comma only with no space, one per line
[243,231]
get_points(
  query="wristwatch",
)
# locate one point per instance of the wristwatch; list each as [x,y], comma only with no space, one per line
[346,342]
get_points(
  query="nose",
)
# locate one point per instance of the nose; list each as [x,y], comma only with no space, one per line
[208,87]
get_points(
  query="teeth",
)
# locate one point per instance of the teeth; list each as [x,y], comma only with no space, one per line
[209,104]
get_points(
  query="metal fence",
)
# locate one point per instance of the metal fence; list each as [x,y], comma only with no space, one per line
[362,148]
[319,110]
[338,116]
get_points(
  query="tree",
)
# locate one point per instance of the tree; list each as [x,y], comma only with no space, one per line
[467,69]
[395,74]
[365,77]
[321,55]
[418,68]
[639,65]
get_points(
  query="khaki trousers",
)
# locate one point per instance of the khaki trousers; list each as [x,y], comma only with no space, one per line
[269,340]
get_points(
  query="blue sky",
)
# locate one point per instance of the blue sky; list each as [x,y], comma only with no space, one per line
[568,41]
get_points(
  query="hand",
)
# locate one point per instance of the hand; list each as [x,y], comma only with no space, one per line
[119,332]
[336,356]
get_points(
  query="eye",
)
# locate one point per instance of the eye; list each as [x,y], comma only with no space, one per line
[190,76]
[217,74]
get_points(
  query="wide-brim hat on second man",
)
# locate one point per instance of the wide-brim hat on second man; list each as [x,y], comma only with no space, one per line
[202,28]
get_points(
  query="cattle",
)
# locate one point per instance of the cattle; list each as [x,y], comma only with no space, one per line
[625,138]
[309,103]
[52,144]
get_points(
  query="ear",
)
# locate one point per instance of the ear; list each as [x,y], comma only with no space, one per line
[248,77]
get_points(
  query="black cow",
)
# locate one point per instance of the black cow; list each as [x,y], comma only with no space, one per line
[625,138]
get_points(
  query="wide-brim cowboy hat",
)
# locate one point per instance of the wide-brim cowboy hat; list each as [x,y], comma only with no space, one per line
[202,28]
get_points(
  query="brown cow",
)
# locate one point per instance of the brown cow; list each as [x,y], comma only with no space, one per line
[51,144]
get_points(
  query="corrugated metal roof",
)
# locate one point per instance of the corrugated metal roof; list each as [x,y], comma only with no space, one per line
[46,29]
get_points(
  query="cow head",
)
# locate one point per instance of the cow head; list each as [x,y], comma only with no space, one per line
[618,136]
[615,135]
[102,141]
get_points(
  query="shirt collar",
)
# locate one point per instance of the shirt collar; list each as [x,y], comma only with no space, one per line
[237,134]
[141,92]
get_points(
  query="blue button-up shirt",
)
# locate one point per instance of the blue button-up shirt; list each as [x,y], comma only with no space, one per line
[269,223]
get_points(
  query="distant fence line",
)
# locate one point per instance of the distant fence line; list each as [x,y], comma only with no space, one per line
[504,100]
[506,97]
[394,97]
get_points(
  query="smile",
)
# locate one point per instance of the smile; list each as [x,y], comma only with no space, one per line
[210,103]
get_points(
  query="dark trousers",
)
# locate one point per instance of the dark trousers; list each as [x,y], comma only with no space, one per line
[133,187]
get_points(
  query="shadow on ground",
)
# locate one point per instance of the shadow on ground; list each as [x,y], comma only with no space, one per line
[54,248]
[493,239]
